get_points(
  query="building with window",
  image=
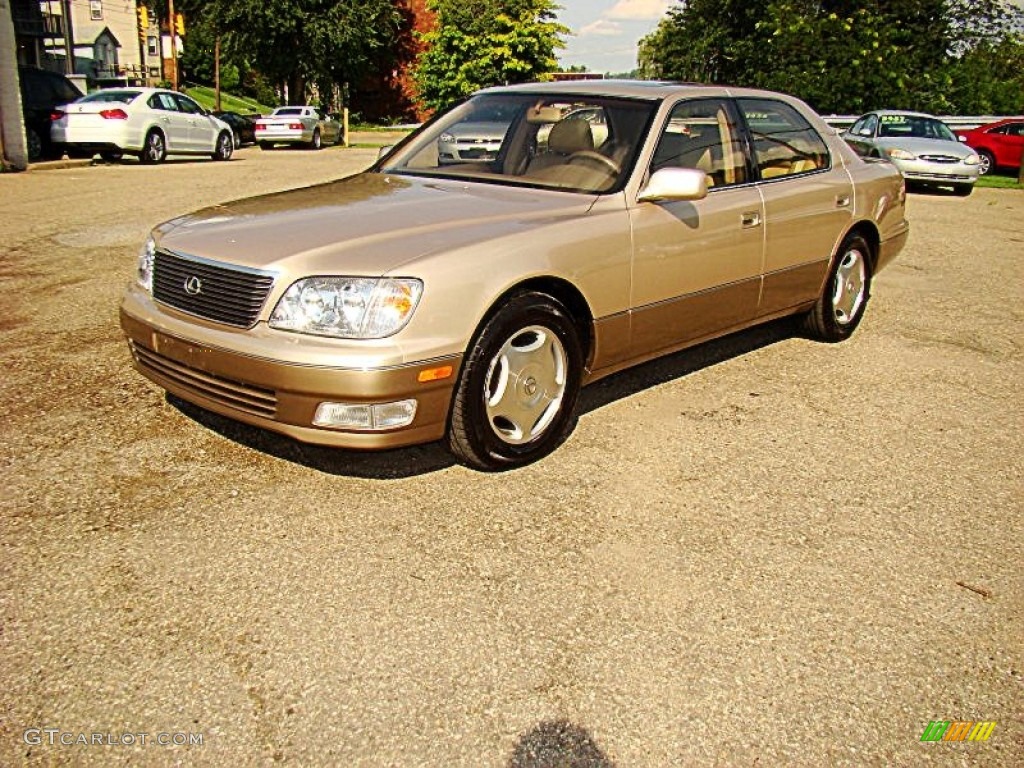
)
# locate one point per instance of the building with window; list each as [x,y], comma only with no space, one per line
[102,37]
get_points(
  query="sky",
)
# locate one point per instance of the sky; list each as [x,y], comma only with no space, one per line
[605,33]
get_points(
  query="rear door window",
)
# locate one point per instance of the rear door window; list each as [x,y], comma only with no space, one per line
[785,144]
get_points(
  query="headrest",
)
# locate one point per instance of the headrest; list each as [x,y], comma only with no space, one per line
[572,135]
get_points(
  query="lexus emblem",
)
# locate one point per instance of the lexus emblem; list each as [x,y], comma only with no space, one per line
[193,286]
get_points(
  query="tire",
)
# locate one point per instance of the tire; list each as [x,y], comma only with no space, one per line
[34,145]
[225,146]
[515,401]
[154,149]
[111,157]
[317,141]
[988,162]
[963,190]
[845,296]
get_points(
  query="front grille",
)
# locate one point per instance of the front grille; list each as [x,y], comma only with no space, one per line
[940,158]
[220,292]
[234,394]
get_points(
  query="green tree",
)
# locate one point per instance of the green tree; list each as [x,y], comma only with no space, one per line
[296,42]
[844,55]
[478,43]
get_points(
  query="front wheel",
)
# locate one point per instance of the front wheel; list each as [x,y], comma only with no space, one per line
[225,147]
[845,296]
[988,162]
[516,397]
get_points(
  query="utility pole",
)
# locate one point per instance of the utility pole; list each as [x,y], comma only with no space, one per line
[174,44]
[13,147]
[216,73]
[69,38]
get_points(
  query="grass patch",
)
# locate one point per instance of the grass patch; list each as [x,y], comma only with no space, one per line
[999,182]
[207,98]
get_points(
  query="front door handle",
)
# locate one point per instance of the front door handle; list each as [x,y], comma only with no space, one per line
[750,219]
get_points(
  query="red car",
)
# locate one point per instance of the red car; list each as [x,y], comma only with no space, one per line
[999,144]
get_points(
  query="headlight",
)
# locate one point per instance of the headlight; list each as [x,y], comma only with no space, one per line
[901,154]
[446,138]
[972,160]
[145,268]
[347,307]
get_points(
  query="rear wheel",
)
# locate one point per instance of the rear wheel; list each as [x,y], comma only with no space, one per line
[225,146]
[845,297]
[317,140]
[516,397]
[35,145]
[154,150]
[988,162]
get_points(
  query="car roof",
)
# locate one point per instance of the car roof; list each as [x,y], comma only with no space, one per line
[653,90]
[904,112]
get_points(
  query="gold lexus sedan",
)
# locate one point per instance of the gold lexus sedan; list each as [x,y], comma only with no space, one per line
[424,300]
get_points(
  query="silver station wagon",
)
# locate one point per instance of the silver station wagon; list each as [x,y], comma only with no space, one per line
[469,302]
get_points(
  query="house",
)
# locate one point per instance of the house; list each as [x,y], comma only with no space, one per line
[103,38]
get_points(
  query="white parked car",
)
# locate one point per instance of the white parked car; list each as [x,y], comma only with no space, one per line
[149,122]
[298,125]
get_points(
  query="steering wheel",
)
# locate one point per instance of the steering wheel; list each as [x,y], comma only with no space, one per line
[588,155]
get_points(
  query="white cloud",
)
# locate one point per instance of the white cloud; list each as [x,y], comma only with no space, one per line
[635,10]
[601,28]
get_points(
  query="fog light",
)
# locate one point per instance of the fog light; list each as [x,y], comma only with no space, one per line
[363,416]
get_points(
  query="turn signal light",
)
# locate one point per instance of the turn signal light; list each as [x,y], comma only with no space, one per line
[434,374]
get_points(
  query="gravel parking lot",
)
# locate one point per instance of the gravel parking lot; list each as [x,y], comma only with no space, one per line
[764,551]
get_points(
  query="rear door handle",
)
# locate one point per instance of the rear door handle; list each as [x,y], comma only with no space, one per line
[750,219]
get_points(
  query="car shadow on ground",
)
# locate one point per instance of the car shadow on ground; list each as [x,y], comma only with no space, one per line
[558,743]
[431,457]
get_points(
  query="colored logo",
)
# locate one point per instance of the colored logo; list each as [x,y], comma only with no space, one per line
[958,730]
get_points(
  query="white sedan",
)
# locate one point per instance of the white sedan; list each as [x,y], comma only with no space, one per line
[149,122]
[298,125]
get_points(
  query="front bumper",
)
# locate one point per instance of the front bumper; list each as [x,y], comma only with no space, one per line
[938,173]
[283,396]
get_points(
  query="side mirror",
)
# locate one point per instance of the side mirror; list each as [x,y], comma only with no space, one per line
[675,184]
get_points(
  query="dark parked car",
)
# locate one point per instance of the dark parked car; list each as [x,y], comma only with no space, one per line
[41,92]
[243,126]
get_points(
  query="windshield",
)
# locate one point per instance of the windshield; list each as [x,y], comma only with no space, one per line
[122,97]
[913,126]
[568,142]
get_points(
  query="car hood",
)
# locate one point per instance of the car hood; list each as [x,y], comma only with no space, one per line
[925,146]
[368,224]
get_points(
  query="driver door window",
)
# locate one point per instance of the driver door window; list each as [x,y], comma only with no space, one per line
[703,134]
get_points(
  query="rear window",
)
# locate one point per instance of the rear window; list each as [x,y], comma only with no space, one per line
[120,96]
[288,111]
